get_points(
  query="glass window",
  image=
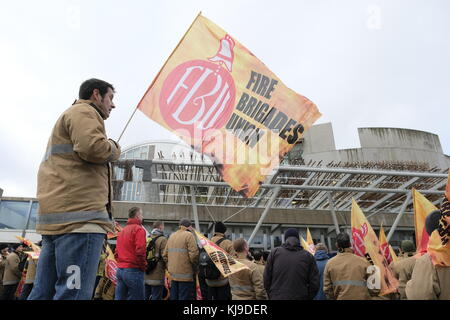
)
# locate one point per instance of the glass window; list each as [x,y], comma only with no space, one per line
[13,214]
[33,216]
[144,153]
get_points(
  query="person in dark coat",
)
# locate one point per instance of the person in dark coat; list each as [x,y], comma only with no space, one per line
[291,273]
[322,258]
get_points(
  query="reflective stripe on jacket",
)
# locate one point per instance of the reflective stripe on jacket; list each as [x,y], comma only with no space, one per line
[247,284]
[74,178]
[156,276]
[345,276]
[181,255]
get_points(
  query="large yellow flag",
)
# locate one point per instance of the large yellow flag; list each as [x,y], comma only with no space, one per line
[226,264]
[224,102]
[422,208]
[366,244]
[384,245]
[310,241]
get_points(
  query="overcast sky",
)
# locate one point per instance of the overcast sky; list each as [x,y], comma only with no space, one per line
[364,63]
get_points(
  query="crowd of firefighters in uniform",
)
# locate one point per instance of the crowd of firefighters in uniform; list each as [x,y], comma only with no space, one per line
[288,272]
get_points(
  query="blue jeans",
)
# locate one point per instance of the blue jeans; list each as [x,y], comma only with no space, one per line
[182,290]
[130,284]
[155,291]
[67,266]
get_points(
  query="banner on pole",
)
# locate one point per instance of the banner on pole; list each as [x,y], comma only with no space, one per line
[111,266]
[310,242]
[439,244]
[384,246]
[226,264]
[306,246]
[393,254]
[225,103]
[422,208]
[366,244]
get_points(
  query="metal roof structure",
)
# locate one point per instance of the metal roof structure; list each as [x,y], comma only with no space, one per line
[385,188]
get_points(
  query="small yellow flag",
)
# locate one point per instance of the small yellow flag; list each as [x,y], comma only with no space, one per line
[366,244]
[422,208]
[310,242]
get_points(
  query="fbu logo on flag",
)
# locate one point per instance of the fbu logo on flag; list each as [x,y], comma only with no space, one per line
[199,94]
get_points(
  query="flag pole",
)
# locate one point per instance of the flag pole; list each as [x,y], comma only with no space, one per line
[151,85]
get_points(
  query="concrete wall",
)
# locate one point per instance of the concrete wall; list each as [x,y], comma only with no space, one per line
[377,145]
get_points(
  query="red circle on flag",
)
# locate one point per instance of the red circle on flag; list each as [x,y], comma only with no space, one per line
[197,95]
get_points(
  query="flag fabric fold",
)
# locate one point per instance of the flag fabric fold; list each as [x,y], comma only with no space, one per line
[367,245]
[224,102]
[439,242]
[384,245]
[310,242]
[226,264]
[422,208]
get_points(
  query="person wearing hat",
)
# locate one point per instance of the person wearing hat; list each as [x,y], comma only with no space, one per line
[291,272]
[345,275]
[219,289]
[403,268]
[429,281]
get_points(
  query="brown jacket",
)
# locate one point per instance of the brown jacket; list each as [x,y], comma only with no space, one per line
[31,270]
[428,282]
[345,276]
[156,276]
[261,266]
[181,255]
[247,284]
[12,274]
[402,270]
[2,268]
[226,245]
[74,178]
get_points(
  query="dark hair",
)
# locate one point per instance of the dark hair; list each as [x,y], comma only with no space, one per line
[432,221]
[133,211]
[88,86]
[185,222]
[157,224]
[343,240]
[239,244]
[266,255]
[257,254]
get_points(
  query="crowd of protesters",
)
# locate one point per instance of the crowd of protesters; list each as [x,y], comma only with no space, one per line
[74,191]
[157,267]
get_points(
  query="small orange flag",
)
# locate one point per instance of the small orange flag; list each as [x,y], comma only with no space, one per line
[422,208]
[366,244]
